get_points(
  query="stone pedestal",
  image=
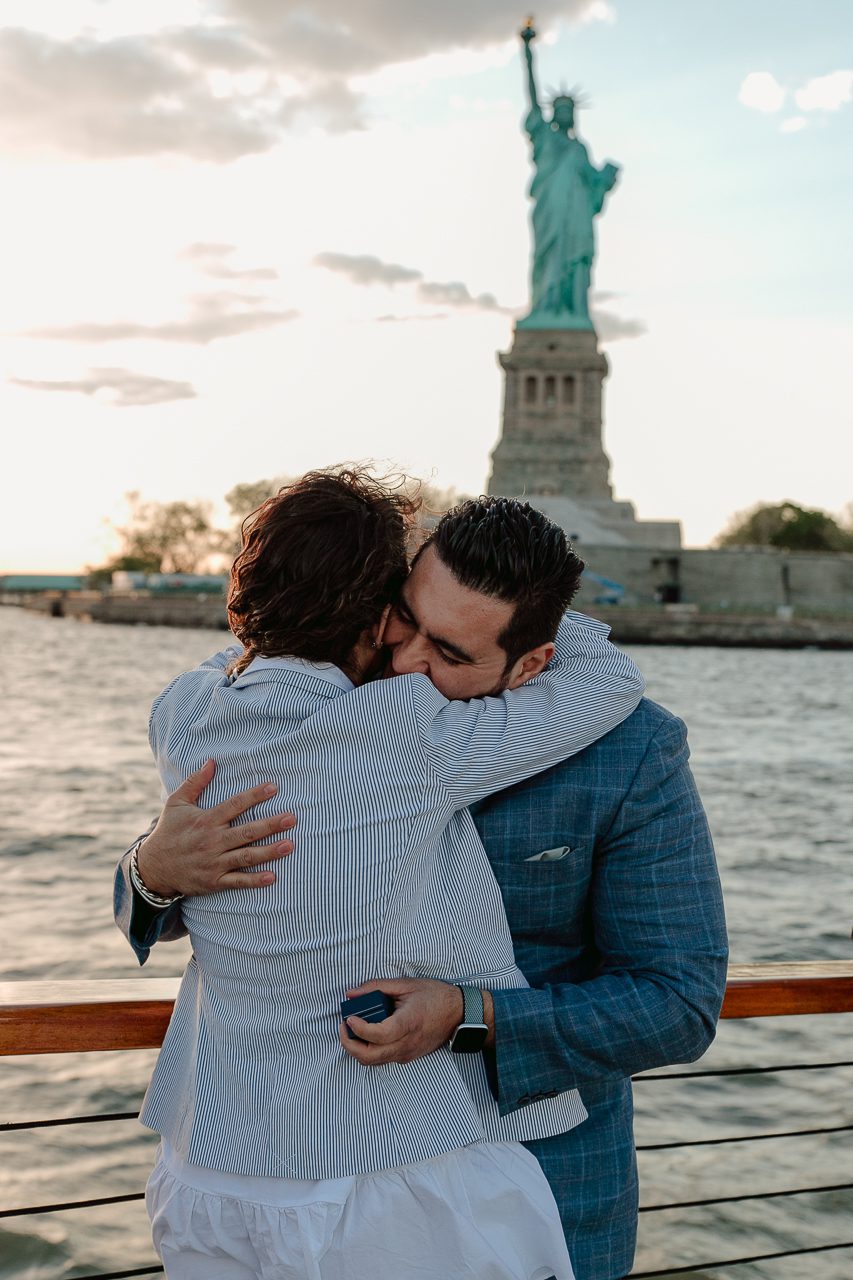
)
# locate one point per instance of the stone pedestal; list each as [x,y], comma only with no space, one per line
[551,438]
[551,452]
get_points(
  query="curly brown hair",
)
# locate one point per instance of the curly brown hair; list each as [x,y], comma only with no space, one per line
[319,562]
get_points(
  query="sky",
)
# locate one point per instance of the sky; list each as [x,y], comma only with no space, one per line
[244,238]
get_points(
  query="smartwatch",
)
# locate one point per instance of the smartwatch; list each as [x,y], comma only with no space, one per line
[470,1035]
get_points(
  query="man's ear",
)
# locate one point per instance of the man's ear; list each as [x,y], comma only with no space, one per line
[530,665]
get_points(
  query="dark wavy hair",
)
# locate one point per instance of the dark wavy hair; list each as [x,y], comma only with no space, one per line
[319,562]
[510,551]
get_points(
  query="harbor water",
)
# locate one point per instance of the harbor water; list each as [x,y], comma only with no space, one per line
[772,743]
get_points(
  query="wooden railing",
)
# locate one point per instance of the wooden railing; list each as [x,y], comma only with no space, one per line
[89,1017]
[63,1017]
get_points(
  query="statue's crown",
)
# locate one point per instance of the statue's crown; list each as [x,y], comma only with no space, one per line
[572,98]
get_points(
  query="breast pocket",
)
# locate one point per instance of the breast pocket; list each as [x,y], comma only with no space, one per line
[545,892]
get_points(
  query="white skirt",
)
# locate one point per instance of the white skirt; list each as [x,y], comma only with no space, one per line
[484,1211]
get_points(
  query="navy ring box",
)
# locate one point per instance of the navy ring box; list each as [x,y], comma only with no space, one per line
[373,1006]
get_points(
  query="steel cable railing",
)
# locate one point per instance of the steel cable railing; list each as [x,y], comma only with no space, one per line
[120,1275]
[750,1195]
[744,1137]
[695,1267]
[17,1125]
[115,1026]
[62,1205]
[740,1071]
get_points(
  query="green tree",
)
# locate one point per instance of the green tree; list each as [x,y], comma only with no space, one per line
[163,537]
[246,497]
[437,501]
[242,500]
[787,526]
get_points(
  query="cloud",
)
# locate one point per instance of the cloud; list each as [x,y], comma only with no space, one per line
[762,92]
[364,268]
[456,294]
[211,316]
[825,93]
[367,269]
[610,327]
[325,37]
[793,124]
[211,260]
[235,81]
[600,11]
[118,387]
[330,103]
[392,319]
[124,97]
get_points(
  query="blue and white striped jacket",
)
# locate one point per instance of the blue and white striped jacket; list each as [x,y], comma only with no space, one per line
[388,878]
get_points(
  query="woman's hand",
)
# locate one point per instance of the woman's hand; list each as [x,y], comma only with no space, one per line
[193,850]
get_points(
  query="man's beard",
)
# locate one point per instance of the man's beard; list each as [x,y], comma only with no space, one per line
[501,686]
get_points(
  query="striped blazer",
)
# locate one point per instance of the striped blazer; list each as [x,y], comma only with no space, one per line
[387,878]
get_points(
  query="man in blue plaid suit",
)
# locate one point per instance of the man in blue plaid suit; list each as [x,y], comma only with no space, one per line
[612,895]
[611,890]
[623,941]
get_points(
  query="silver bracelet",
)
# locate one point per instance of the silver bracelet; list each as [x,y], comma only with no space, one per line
[153,899]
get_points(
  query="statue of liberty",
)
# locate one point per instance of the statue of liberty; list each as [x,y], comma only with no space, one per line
[567,192]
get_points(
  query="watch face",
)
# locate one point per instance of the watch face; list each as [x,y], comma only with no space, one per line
[469,1038]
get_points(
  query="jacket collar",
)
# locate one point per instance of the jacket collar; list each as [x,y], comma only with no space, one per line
[326,671]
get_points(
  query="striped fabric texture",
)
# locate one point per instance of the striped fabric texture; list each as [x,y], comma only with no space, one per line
[388,878]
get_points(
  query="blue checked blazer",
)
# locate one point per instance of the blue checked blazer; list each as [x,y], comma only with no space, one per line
[623,941]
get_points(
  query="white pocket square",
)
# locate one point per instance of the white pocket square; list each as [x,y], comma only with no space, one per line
[551,855]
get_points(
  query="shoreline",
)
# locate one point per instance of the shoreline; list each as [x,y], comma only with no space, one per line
[640,626]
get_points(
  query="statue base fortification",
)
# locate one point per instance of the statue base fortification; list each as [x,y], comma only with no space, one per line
[551,450]
[551,438]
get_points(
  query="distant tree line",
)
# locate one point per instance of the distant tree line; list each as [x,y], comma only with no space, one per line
[181,537]
[790,528]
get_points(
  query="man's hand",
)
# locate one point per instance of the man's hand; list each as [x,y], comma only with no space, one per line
[426,1014]
[193,850]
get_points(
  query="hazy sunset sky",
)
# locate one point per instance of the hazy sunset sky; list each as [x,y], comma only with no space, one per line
[241,238]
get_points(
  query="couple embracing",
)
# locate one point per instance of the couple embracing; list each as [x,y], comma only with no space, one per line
[494,836]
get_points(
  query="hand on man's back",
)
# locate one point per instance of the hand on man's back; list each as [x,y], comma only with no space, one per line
[193,850]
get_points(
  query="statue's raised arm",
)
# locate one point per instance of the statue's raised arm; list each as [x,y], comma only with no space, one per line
[528,34]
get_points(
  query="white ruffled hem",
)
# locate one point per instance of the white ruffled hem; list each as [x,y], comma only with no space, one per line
[485,1211]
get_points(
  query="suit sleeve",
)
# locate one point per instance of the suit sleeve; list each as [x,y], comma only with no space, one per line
[477,747]
[141,923]
[659,932]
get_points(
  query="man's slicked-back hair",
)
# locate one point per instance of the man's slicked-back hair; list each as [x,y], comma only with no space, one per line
[508,550]
[319,562]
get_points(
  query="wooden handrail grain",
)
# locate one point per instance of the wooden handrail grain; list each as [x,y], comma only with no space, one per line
[771,990]
[84,1017]
[87,1017]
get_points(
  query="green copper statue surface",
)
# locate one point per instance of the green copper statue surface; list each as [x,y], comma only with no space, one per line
[567,192]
